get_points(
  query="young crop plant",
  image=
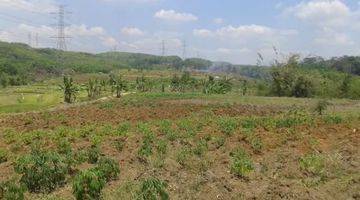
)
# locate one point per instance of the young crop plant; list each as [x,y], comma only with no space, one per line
[153,189]
[93,154]
[201,148]
[123,129]
[70,90]
[227,125]
[182,156]
[10,190]
[109,168]
[241,163]
[162,147]
[118,85]
[88,184]
[119,144]
[41,171]
[333,119]
[93,88]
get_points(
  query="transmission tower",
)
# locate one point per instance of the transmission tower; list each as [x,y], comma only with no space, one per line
[61,25]
[29,39]
[184,49]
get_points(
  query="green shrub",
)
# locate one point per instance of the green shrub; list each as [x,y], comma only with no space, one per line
[227,125]
[241,164]
[109,168]
[88,185]
[148,139]
[3,156]
[248,123]
[162,147]
[93,154]
[321,106]
[313,164]
[41,171]
[123,129]
[64,146]
[153,189]
[10,190]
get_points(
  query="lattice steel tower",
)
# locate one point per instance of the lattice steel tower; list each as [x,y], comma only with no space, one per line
[61,25]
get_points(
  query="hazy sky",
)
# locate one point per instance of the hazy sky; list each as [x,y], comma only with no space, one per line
[229,30]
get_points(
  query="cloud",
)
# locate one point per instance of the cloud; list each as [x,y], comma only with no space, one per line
[38,6]
[218,21]
[325,13]
[202,33]
[109,41]
[132,31]
[172,15]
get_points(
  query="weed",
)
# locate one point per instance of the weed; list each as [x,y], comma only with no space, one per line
[41,171]
[88,184]
[109,168]
[249,123]
[256,144]
[64,146]
[153,189]
[11,190]
[333,119]
[321,106]
[219,142]
[119,144]
[313,164]
[107,105]
[182,156]
[241,164]
[227,125]
[201,147]
[162,147]
[123,129]
[3,156]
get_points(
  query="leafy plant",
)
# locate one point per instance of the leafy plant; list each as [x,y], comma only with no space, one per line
[109,168]
[201,147]
[153,189]
[227,125]
[88,184]
[41,171]
[70,89]
[93,154]
[93,88]
[119,144]
[241,164]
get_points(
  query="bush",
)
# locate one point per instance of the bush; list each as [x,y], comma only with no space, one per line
[109,168]
[41,171]
[3,156]
[153,189]
[241,164]
[321,106]
[88,184]
[333,119]
[227,125]
[11,190]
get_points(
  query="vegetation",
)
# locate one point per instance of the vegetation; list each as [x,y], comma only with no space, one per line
[88,185]
[70,90]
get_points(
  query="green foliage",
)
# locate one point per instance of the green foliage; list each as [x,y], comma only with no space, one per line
[119,144]
[88,184]
[313,164]
[10,190]
[241,164]
[93,154]
[183,83]
[3,156]
[201,147]
[227,125]
[41,171]
[109,168]
[321,106]
[70,89]
[93,88]
[217,86]
[182,156]
[153,189]
[119,85]
[333,119]
[162,147]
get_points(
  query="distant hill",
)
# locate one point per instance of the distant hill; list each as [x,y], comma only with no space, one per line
[20,61]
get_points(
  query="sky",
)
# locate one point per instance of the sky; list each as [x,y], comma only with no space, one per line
[219,30]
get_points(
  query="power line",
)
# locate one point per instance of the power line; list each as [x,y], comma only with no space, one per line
[163,48]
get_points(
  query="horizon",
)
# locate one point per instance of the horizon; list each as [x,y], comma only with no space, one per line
[325,28]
